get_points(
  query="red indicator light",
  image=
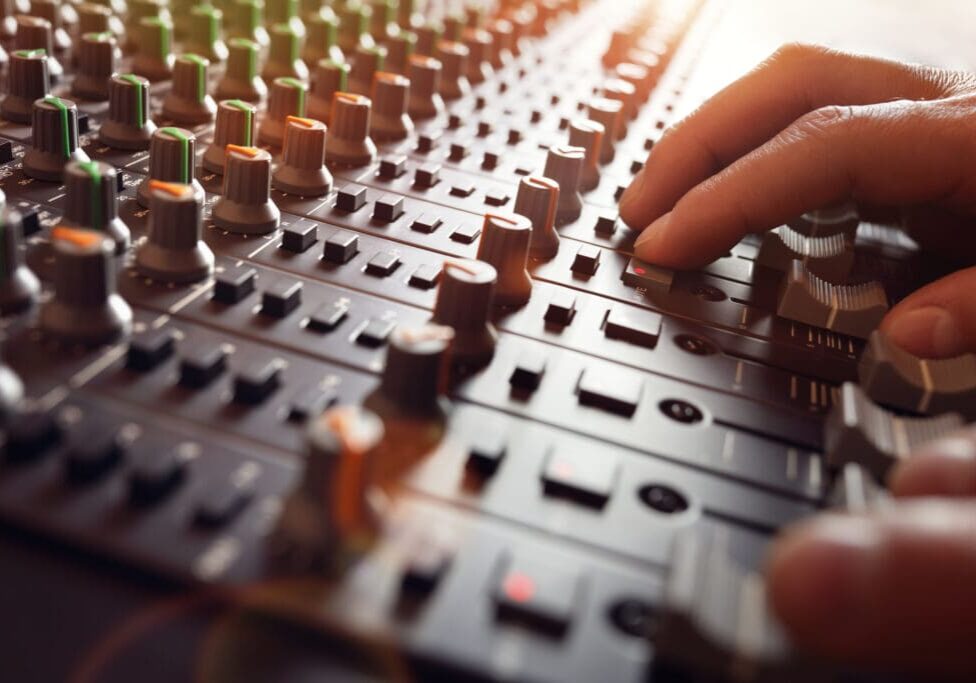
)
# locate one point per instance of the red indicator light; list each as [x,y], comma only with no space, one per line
[519,588]
[639,271]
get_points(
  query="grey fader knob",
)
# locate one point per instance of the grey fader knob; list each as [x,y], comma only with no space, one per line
[241,80]
[415,376]
[91,201]
[390,121]
[96,63]
[454,61]
[322,38]
[328,78]
[85,308]
[54,139]
[287,99]
[172,156]
[187,101]
[203,35]
[35,33]
[28,81]
[505,245]
[854,310]
[19,286]
[348,142]
[128,125]
[246,207]
[284,55]
[366,62]
[464,303]
[608,113]
[235,126]
[564,164]
[154,58]
[839,219]
[173,251]
[588,135]
[425,100]
[537,199]
[302,170]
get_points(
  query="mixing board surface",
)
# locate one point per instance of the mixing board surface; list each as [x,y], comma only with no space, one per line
[326,353]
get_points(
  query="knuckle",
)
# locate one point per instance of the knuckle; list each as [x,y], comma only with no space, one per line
[825,122]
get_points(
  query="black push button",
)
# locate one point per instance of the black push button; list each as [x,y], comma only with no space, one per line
[425,277]
[300,237]
[426,223]
[281,298]
[490,161]
[351,199]
[340,246]
[375,333]
[155,475]
[256,381]
[579,477]
[606,224]
[30,435]
[388,208]
[222,503]
[459,150]
[427,176]
[327,317]
[529,369]
[147,350]
[561,309]
[617,394]
[309,403]
[637,327]
[201,365]
[514,136]
[536,593]
[587,260]
[393,167]
[484,129]
[93,453]
[233,286]
[425,143]
[426,565]
[462,190]
[466,234]
[496,198]
[383,264]
[486,454]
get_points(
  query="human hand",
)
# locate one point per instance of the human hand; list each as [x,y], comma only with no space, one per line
[809,128]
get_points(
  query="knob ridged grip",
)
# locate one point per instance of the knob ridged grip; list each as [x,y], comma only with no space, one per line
[154,58]
[390,121]
[241,80]
[415,374]
[36,33]
[503,37]
[246,207]
[203,33]
[479,43]
[505,245]
[348,142]
[329,77]
[366,62]
[322,38]
[588,135]
[235,126]
[302,169]
[538,199]
[128,125]
[91,200]
[399,49]
[454,62]
[28,80]
[427,39]
[564,164]
[608,113]
[284,55]
[352,26]
[187,101]
[425,101]
[96,63]
[287,98]
[19,287]
[54,139]
[464,303]
[173,251]
[172,156]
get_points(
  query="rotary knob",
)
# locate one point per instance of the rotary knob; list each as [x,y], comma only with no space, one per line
[538,199]
[241,80]
[285,12]
[246,207]
[382,20]
[348,142]
[328,78]
[96,63]
[608,113]
[235,126]
[128,125]
[28,81]
[464,303]
[503,38]
[246,21]
[91,201]
[505,245]
[187,101]
[625,93]
[427,38]
[621,43]
[390,121]
[284,55]
[19,287]
[425,101]
[98,19]
[322,40]
[35,33]
[399,49]
[366,62]
[564,164]
[154,57]
[85,308]
[54,139]
[640,77]
[479,43]
[50,11]
[287,99]
[174,251]
[407,15]
[588,136]
[454,62]
[416,373]
[136,12]
[172,154]
[302,169]
[353,18]
[203,33]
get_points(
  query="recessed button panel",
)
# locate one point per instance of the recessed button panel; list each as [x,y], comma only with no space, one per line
[579,477]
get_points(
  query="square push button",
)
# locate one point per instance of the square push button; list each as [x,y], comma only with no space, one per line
[466,234]
[256,381]
[149,349]
[393,167]
[427,176]
[351,199]
[539,594]
[425,277]
[645,276]
[383,264]
[610,391]
[375,333]
[634,326]
[562,308]
[388,208]
[606,225]
[310,402]
[426,223]
[340,246]
[587,260]
[462,190]
[233,286]
[486,454]
[327,317]
[529,369]
[281,298]
[201,365]
[580,478]
[299,237]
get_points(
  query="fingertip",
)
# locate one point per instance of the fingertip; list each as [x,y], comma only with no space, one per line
[630,202]
[928,332]
[944,468]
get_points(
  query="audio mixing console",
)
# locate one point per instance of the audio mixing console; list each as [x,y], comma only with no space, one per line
[319,322]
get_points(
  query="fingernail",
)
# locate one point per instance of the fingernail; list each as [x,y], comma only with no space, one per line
[820,571]
[946,467]
[645,245]
[929,331]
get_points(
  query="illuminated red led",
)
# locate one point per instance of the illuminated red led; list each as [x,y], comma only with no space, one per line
[639,270]
[519,587]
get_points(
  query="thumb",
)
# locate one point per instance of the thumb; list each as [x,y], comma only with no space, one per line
[939,320]
[892,591]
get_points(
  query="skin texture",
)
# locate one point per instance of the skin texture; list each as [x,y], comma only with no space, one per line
[809,128]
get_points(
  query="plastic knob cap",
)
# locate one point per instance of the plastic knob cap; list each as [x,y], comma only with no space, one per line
[187,101]
[172,155]
[302,170]
[241,80]
[174,251]
[288,97]
[390,121]
[128,125]
[564,164]
[464,303]
[235,126]
[54,138]
[505,245]
[91,201]
[246,207]
[348,142]
[96,63]
[537,199]
[28,80]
